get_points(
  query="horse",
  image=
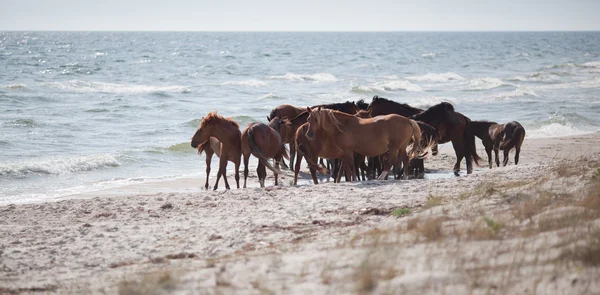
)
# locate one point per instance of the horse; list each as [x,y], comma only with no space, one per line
[311,150]
[455,127]
[227,132]
[287,131]
[285,111]
[264,143]
[428,136]
[500,136]
[349,134]
[383,106]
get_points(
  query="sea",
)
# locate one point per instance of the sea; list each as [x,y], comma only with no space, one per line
[86,111]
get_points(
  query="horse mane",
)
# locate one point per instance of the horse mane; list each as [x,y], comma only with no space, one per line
[331,115]
[338,106]
[213,117]
[361,104]
[377,99]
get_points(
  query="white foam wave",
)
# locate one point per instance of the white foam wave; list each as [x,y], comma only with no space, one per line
[16,86]
[428,55]
[317,78]
[85,86]
[519,92]
[440,77]
[250,83]
[592,64]
[400,85]
[57,166]
[586,84]
[269,96]
[485,83]
[555,130]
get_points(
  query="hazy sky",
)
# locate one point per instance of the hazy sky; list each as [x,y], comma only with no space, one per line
[300,15]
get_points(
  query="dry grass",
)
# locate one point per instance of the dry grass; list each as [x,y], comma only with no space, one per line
[433,201]
[156,283]
[431,229]
[365,278]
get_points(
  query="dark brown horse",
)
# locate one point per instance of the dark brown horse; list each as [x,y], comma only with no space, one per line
[285,111]
[500,136]
[369,137]
[227,132]
[452,127]
[383,106]
[264,143]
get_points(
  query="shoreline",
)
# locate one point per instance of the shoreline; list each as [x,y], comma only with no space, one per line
[491,231]
[438,167]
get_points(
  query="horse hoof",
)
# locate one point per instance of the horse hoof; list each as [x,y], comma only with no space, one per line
[456,173]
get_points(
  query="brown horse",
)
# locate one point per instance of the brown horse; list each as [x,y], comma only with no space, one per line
[311,150]
[227,132]
[455,127]
[285,111]
[264,143]
[500,136]
[369,137]
[287,131]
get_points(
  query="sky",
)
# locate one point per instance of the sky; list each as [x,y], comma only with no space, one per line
[300,15]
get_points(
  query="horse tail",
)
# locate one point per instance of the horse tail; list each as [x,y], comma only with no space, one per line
[469,140]
[300,148]
[517,136]
[416,150]
[258,153]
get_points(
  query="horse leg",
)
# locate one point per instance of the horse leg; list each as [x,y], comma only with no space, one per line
[488,150]
[237,174]
[246,158]
[496,150]
[297,168]
[385,170]
[338,177]
[292,155]
[505,160]
[517,151]
[262,173]
[277,166]
[404,158]
[460,153]
[223,170]
[208,161]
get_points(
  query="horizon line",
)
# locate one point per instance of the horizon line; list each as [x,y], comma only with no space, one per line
[300,31]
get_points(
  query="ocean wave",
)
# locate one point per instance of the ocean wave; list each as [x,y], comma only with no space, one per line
[429,101]
[428,55]
[270,96]
[592,64]
[85,86]
[485,83]
[441,77]
[23,123]
[250,83]
[538,77]
[585,84]
[58,166]
[400,85]
[519,92]
[316,78]
[16,86]
[558,125]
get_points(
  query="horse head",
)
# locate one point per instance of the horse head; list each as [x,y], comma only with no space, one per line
[314,121]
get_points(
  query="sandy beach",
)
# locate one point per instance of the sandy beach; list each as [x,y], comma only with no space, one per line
[526,229]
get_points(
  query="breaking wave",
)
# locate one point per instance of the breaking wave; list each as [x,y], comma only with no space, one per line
[59,165]
[85,86]
[315,78]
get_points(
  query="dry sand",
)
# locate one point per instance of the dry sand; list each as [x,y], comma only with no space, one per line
[531,228]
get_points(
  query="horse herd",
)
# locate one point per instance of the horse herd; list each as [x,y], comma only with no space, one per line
[386,133]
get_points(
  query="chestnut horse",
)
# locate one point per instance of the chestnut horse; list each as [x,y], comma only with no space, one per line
[287,131]
[455,127]
[369,137]
[227,132]
[285,111]
[500,136]
[264,143]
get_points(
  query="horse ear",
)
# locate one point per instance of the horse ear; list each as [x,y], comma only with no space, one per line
[268,119]
[319,108]
[308,109]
